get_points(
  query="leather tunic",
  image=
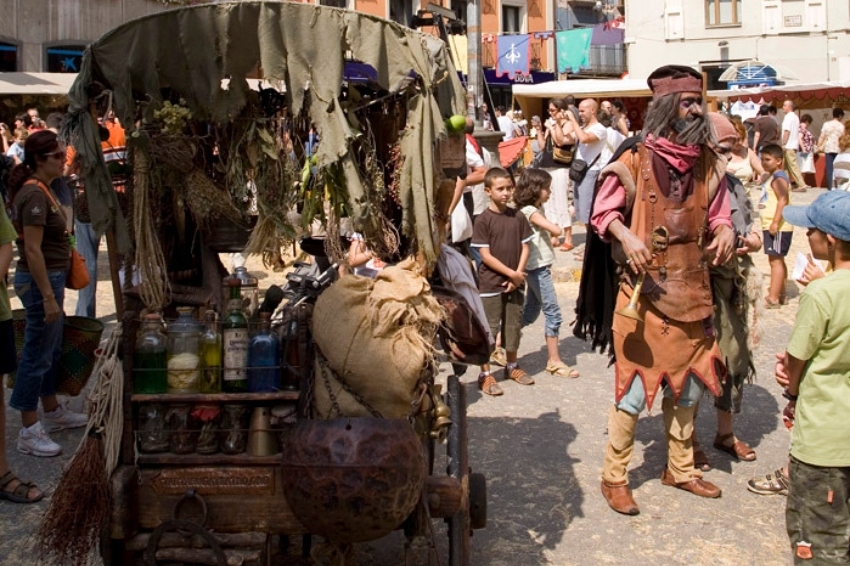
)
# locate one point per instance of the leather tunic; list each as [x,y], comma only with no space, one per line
[674,230]
[676,338]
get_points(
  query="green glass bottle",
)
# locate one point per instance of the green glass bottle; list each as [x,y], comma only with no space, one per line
[210,355]
[150,373]
[234,334]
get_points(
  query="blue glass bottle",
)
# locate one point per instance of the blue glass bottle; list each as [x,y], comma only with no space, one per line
[264,359]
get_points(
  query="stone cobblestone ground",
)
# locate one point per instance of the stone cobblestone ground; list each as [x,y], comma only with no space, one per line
[541,449]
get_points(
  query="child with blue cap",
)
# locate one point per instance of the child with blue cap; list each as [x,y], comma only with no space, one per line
[815,370]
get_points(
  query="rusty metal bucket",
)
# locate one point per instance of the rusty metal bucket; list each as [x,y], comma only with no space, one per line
[353,480]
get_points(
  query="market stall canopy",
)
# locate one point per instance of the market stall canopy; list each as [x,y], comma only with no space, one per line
[206,53]
[36,83]
[804,95]
[526,95]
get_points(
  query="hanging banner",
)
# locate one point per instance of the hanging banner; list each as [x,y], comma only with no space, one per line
[609,33]
[513,55]
[573,49]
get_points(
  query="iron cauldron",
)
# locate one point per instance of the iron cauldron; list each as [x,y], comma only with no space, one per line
[353,480]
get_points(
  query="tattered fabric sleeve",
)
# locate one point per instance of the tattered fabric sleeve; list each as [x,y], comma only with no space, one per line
[720,211]
[609,205]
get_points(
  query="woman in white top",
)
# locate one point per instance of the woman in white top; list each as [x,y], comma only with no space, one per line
[743,162]
[841,165]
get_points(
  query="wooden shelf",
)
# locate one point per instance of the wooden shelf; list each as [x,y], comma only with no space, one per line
[213,397]
[218,459]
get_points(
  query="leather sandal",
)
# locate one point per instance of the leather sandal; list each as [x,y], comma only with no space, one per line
[775,483]
[562,370]
[739,449]
[20,493]
[519,375]
[487,384]
[700,459]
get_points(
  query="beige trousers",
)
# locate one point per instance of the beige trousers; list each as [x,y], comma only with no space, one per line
[679,427]
[792,168]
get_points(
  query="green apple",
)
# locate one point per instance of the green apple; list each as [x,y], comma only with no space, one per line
[456,124]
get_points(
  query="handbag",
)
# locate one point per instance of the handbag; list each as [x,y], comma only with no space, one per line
[579,169]
[563,154]
[78,274]
[461,223]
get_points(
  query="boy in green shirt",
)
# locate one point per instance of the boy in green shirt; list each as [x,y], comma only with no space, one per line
[817,370]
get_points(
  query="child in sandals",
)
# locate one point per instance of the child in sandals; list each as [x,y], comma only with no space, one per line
[533,190]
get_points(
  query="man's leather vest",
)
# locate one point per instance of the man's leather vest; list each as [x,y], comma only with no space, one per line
[676,233]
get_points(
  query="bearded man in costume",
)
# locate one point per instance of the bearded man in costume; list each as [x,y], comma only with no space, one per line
[663,207]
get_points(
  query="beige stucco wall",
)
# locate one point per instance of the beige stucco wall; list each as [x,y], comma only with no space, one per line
[674,32]
[35,24]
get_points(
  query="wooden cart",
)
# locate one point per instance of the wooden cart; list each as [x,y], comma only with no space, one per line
[216,64]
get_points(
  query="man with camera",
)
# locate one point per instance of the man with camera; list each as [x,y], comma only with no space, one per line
[591,140]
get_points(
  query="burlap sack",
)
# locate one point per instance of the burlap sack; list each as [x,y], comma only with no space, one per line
[377,336]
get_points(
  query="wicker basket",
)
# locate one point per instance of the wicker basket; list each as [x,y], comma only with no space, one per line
[80,338]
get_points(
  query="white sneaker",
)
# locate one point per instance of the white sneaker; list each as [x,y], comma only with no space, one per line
[62,418]
[34,440]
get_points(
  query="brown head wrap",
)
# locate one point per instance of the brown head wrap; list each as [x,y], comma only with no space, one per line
[674,78]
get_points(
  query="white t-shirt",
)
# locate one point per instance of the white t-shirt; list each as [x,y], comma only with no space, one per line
[590,151]
[506,125]
[791,124]
[473,160]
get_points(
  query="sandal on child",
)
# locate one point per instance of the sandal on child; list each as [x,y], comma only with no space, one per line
[487,384]
[519,375]
[775,483]
[498,357]
[21,492]
[562,370]
[739,449]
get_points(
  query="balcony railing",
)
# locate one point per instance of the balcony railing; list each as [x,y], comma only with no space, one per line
[606,60]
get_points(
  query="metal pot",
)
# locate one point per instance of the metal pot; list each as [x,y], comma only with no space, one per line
[353,480]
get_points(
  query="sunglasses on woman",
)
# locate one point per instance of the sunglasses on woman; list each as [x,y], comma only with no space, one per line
[58,154]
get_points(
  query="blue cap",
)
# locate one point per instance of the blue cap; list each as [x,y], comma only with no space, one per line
[829,213]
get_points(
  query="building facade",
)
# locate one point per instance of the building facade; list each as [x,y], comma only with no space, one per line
[805,40]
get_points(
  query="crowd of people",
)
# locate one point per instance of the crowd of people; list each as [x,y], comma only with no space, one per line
[669,285]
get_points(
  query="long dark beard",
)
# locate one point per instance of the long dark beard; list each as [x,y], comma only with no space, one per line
[692,130]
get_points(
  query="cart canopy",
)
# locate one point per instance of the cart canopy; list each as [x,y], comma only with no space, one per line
[206,53]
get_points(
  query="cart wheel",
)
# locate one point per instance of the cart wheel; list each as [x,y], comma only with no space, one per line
[477,501]
[457,450]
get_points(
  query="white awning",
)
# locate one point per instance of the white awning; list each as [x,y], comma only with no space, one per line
[36,83]
[530,97]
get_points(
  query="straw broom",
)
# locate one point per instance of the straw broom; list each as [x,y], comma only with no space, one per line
[80,507]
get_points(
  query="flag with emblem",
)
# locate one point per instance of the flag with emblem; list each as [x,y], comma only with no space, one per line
[573,49]
[513,55]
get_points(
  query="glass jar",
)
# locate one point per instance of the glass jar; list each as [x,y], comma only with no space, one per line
[264,359]
[234,335]
[182,430]
[207,417]
[150,357]
[250,289]
[210,355]
[184,361]
[233,432]
[151,434]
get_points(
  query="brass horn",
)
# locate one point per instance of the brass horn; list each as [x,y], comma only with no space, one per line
[631,310]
